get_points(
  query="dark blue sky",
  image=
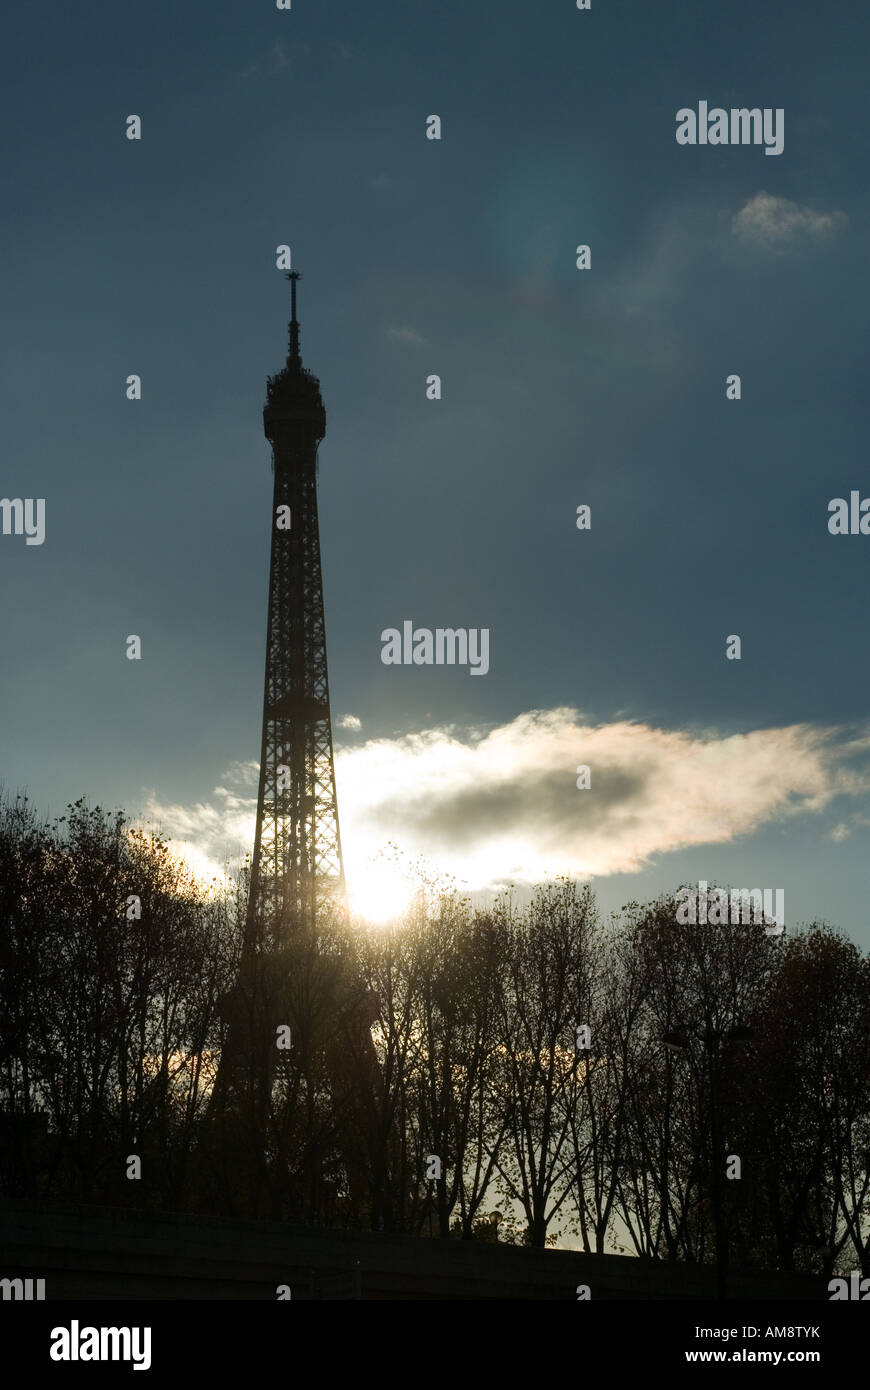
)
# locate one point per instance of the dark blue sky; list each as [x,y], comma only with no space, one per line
[560,387]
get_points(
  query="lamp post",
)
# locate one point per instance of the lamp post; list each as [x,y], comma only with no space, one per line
[677,1042]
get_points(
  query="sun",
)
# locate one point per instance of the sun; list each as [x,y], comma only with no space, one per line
[379,892]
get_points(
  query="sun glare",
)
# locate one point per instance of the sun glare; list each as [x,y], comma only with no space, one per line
[379,892]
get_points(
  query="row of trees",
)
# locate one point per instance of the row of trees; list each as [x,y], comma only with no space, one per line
[528,1072]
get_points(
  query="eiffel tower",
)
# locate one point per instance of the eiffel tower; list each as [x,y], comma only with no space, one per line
[297,874]
[297,866]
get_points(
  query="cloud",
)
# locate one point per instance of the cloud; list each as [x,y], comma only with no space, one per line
[278,61]
[677,243]
[245,774]
[844,829]
[498,806]
[406,335]
[775,224]
[350,721]
[505,806]
[212,834]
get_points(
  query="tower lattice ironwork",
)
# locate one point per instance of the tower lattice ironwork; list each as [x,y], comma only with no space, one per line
[296,869]
[297,865]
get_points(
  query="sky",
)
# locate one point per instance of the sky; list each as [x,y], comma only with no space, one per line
[561,387]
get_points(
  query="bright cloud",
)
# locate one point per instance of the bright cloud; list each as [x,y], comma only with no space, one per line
[497,806]
[772,223]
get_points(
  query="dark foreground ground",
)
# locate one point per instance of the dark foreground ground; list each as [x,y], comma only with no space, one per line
[105,1253]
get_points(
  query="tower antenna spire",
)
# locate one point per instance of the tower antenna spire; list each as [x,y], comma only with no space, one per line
[293,276]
